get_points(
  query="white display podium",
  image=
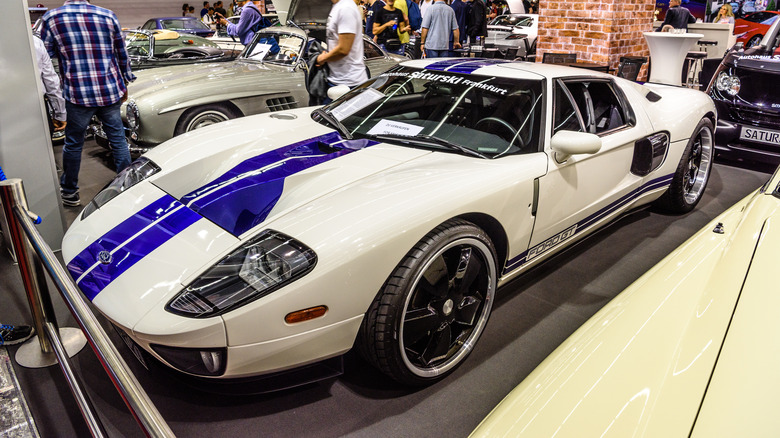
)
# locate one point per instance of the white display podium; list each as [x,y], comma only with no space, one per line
[667,55]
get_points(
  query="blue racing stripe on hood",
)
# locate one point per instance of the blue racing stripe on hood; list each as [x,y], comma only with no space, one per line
[466,66]
[243,196]
[127,243]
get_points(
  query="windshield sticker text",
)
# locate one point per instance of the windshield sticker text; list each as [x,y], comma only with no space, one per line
[448,79]
[395,128]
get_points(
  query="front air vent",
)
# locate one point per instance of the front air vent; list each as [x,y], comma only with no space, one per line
[281,103]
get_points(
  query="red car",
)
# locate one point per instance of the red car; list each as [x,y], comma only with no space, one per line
[751,29]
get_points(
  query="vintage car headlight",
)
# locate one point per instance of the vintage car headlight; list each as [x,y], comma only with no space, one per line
[728,83]
[256,269]
[132,115]
[138,171]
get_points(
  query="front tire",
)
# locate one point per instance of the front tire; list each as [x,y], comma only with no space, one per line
[756,40]
[202,116]
[434,306]
[693,171]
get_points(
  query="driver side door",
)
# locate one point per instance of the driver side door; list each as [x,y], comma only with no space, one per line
[581,192]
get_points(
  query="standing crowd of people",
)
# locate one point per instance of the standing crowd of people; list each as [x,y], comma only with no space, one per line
[441,25]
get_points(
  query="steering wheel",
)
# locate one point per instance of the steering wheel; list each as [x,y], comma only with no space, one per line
[494,124]
[489,122]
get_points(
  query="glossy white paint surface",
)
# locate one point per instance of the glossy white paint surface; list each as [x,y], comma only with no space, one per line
[642,365]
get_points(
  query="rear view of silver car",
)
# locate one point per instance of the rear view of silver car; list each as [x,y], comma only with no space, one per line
[513,33]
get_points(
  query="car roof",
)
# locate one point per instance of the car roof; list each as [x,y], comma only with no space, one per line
[503,68]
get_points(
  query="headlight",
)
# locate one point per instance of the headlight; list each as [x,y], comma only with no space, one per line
[259,267]
[728,83]
[516,36]
[141,169]
[132,115]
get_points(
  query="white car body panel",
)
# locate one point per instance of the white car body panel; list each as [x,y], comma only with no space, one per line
[360,213]
[653,362]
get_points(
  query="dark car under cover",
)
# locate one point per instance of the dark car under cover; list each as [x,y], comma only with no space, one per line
[746,91]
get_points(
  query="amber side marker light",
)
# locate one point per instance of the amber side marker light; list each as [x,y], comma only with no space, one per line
[305,314]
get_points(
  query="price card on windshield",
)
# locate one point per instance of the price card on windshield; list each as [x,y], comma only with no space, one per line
[395,128]
[260,51]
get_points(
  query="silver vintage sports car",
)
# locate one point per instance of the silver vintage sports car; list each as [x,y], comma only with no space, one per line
[270,75]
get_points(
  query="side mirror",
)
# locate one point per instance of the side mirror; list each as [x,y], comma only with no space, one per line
[337,91]
[567,143]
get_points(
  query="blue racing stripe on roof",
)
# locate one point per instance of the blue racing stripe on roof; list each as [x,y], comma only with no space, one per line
[522,258]
[243,196]
[466,65]
[130,241]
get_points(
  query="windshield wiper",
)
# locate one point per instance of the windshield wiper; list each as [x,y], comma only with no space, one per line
[333,121]
[429,139]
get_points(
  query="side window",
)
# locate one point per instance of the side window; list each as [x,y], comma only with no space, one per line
[370,50]
[566,117]
[598,104]
[150,25]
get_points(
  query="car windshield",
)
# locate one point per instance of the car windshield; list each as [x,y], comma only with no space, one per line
[137,43]
[183,24]
[472,114]
[274,47]
[513,20]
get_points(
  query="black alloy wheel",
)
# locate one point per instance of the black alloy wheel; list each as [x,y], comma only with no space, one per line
[431,311]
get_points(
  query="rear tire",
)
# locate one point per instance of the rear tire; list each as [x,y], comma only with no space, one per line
[202,116]
[693,171]
[434,306]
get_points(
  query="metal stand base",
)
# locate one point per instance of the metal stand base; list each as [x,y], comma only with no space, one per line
[29,355]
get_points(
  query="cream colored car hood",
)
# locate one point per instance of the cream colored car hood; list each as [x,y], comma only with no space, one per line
[642,365]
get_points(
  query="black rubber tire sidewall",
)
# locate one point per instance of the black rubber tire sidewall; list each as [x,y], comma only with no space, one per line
[673,200]
[378,338]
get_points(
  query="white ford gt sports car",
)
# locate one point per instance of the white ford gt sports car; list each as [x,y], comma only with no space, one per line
[385,220]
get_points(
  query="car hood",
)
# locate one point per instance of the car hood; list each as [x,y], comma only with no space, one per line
[303,11]
[183,82]
[642,365]
[206,200]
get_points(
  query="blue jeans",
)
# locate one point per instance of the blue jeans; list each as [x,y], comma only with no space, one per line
[78,121]
[430,53]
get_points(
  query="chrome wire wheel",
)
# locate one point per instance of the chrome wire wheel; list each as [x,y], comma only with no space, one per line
[447,308]
[206,118]
[699,165]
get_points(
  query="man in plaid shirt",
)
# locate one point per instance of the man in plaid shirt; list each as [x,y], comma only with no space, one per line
[94,65]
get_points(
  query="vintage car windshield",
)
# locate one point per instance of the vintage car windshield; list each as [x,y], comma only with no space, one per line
[476,115]
[513,20]
[138,43]
[183,24]
[275,47]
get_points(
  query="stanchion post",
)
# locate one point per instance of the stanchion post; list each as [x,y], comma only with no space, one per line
[33,279]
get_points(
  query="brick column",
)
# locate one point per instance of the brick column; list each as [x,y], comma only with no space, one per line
[598,30]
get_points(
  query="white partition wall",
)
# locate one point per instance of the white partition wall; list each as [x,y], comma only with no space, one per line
[25,146]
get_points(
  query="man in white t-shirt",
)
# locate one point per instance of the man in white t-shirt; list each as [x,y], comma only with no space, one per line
[345,44]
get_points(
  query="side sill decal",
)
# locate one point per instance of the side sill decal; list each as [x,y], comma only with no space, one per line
[565,235]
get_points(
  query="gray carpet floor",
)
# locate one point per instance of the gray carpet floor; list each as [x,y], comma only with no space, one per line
[532,316]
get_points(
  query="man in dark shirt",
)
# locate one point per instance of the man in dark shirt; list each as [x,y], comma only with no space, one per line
[373,8]
[677,16]
[388,21]
[477,21]
[462,12]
